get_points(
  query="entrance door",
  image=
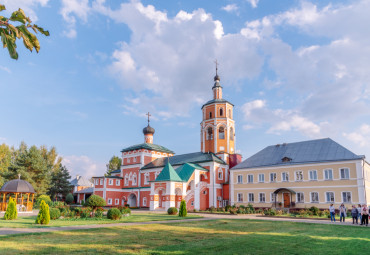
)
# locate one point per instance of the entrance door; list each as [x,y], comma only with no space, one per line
[160,197]
[286,200]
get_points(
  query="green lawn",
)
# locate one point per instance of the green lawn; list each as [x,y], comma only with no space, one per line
[29,222]
[203,237]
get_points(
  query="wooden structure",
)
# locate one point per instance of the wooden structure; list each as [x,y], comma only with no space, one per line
[23,193]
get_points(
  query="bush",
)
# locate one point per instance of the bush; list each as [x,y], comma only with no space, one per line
[99,213]
[69,199]
[240,210]
[251,208]
[172,211]
[85,212]
[233,210]
[114,214]
[212,209]
[57,204]
[82,202]
[44,214]
[270,212]
[95,201]
[183,212]
[314,210]
[45,198]
[54,213]
[227,208]
[11,212]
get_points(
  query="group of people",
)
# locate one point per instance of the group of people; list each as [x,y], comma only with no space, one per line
[360,212]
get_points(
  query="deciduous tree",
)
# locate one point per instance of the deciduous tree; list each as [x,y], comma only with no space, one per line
[114,164]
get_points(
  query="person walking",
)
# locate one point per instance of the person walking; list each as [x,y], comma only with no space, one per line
[342,212]
[359,209]
[354,214]
[332,212]
[365,215]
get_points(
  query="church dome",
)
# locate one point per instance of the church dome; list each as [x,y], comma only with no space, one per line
[217,78]
[148,130]
[18,186]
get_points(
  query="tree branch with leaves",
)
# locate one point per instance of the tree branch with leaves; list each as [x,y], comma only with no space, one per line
[18,26]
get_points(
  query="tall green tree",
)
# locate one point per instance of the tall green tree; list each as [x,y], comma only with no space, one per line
[18,26]
[5,159]
[114,164]
[59,184]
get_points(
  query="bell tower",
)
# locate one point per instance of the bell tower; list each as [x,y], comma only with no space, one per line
[217,127]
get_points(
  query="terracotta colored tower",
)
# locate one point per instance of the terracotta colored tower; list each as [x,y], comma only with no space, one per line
[217,126]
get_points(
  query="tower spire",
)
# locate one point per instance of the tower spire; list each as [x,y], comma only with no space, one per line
[148,114]
[216,66]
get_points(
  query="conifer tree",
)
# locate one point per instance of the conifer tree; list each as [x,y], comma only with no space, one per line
[183,212]
[114,164]
[11,212]
[44,214]
[60,183]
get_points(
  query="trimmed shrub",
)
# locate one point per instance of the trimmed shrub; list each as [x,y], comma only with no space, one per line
[114,214]
[99,213]
[82,202]
[54,213]
[233,210]
[44,214]
[76,210]
[314,210]
[227,208]
[45,198]
[251,208]
[95,201]
[172,211]
[85,212]
[183,212]
[11,212]
[69,199]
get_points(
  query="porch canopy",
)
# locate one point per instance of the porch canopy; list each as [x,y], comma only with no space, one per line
[21,190]
[282,189]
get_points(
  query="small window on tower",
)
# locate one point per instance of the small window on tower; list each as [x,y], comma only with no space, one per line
[221,133]
[209,133]
[210,115]
[231,134]
[221,111]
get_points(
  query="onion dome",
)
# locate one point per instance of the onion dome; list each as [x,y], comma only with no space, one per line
[18,186]
[217,78]
[148,130]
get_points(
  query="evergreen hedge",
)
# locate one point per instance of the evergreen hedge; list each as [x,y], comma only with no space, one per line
[114,214]
[45,198]
[172,211]
[11,212]
[44,214]
[69,198]
[54,213]
[183,212]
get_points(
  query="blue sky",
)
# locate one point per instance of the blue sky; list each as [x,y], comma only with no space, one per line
[295,70]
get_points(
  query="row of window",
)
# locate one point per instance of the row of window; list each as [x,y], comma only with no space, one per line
[221,113]
[110,182]
[298,176]
[116,201]
[133,160]
[314,197]
[221,133]
[134,179]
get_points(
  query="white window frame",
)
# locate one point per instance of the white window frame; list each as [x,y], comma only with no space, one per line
[117,183]
[275,177]
[240,179]
[328,170]
[250,176]
[301,200]
[309,175]
[220,177]
[249,197]
[272,197]
[146,178]
[128,160]
[101,181]
[326,197]
[261,178]
[340,173]
[295,175]
[144,201]
[116,201]
[110,181]
[240,197]
[264,197]
[96,181]
[126,180]
[134,159]
[109,201]
[134,179]
[285,177]
[350,193]
[318,197]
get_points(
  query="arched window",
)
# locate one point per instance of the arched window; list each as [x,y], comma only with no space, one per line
[230,114]
[144,201]
[220,174]
[221,133]
[210,115]
[221,111]
[126,180]
[209,133]
[134,179]
[231,134]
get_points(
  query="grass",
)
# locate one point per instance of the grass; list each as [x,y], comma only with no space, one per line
[29,222]
[203,237]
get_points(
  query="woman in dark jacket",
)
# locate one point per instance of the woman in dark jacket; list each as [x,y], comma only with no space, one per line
[354,213]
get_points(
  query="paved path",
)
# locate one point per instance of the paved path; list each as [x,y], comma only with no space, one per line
[12,231]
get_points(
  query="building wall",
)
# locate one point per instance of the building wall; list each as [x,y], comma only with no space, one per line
[306,186]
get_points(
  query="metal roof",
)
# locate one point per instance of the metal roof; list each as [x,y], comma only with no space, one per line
[186,170]
[80,181]
[17,186]
[116,171]
[147,146]
[217,101]
[312,151]
[168,174]
[87,190]
[195,157]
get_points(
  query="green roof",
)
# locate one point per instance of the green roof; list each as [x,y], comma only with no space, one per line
[186,170]
[148,146]
[168,174]
[196,157]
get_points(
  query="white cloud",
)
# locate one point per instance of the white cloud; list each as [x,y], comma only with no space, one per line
[253,3]
[72,9]
[230,8]
[83,165]
[28,6]
[360,137]
[6,69]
